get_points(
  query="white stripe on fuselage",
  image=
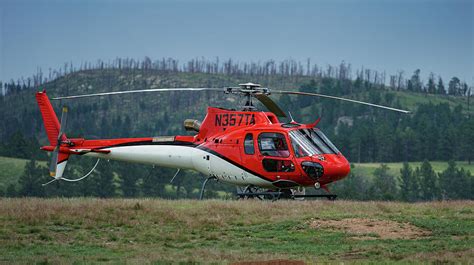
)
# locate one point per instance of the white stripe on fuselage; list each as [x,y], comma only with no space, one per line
[184,157]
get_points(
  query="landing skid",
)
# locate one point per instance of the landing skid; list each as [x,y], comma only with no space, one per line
[330,197]
[276,195]
[253,192]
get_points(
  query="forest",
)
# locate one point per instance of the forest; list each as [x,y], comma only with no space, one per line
[440,127]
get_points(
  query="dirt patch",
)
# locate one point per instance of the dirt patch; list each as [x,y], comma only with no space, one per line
[364,228]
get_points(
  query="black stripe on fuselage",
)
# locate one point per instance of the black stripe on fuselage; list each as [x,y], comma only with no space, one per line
[179,143]
[203,148]
[189,144]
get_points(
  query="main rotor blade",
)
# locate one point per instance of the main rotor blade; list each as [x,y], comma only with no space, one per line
[142,91]
[338,98]
[270,104]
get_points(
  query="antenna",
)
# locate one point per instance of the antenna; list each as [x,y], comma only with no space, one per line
[291,117]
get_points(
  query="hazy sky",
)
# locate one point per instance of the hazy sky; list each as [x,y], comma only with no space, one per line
[435,36]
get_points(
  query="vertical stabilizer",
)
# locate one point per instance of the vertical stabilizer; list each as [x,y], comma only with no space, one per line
[50,120]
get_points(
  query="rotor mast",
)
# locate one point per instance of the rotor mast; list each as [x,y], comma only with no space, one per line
[248,89]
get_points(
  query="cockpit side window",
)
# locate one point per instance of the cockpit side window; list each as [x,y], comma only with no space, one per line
[327,141]
[307,142]
[273,144]
[248,144]
[302,144]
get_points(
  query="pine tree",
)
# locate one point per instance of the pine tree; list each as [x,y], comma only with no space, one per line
[406,179]
[385,185]
[415,81]
[11,191]
[454,86]
[447,181]
[467,139]
[466,185]
[353,187]
[440,89]
[415,186]
[150,185]
[128,174]
[429,182]
[30,181]
[431,84]
[104,182]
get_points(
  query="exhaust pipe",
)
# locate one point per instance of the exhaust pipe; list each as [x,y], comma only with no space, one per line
[192,125]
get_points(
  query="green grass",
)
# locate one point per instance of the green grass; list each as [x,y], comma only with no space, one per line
[159,231]
[10,170]
[367,169]
[411,100]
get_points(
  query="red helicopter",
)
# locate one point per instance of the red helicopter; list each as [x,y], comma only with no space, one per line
[248,148]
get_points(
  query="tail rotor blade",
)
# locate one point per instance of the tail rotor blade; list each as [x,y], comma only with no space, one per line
[62,126]
[54,162]
[54,157]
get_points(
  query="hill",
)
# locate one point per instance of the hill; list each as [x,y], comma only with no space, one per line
[163,113]
[440,128]
[160,231]
[148,108]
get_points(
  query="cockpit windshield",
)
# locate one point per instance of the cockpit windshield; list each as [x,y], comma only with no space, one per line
[307,142]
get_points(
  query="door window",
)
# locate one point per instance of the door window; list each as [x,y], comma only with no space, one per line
[274,165]
[248,144]
[273,144]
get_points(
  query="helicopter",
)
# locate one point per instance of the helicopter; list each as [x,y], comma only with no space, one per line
[249,148]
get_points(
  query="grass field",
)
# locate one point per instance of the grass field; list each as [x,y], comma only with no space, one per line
[411,100]
[159,231]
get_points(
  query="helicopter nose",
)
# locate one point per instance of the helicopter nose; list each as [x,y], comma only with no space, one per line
[345,168]
[337,166]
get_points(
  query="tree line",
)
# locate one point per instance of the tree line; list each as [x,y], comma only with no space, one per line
[112,179]
[411,185]
[119,179]
[289,68]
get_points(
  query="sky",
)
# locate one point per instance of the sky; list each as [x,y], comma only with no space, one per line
[434,36]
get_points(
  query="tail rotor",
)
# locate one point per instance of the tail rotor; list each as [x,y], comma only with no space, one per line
[58,159]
